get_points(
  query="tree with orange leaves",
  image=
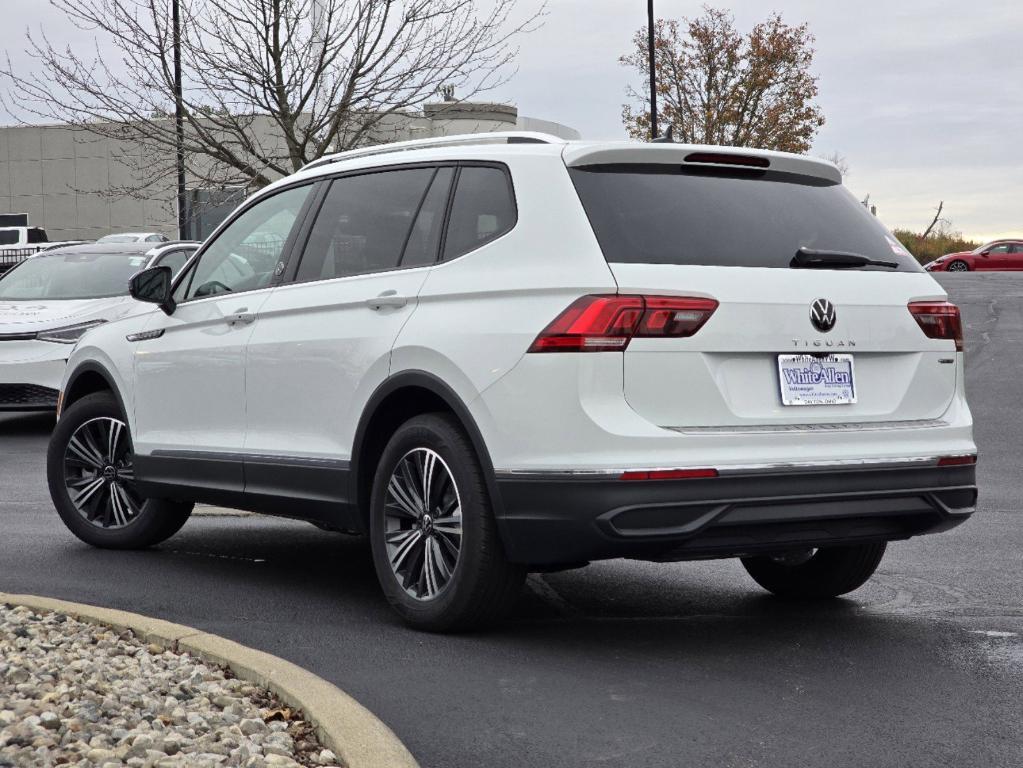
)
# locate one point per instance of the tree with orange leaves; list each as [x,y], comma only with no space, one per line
[718,86]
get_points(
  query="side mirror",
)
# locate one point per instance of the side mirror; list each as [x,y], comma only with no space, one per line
[153,285]
[985,253]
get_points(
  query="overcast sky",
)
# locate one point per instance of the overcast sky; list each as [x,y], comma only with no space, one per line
[924,98]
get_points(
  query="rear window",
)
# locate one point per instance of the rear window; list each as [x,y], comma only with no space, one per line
[734,218]
[483,210]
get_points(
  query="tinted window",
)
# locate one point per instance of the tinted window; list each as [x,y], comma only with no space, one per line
[175,260]
[667,215]
[244,255]
[71,276]
[8,237]
[363,224]
[36,235]
[424,239]
[1003,248]
[483,210]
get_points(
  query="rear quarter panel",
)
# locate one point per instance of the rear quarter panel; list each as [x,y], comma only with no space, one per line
[478,314]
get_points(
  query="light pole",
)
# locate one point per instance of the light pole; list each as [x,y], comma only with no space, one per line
[653,70]
[179,123]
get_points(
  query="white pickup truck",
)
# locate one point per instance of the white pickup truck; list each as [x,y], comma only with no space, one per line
[18,243]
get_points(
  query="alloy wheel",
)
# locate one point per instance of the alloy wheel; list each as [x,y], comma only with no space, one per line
[423,523]
[99,474]
[958,266]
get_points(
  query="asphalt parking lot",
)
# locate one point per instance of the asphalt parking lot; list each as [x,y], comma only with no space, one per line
[620,663]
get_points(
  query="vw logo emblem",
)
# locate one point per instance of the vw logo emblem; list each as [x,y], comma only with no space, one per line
[822,315]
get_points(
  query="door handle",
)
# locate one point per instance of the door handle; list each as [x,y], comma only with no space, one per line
[241,317]
[386,299]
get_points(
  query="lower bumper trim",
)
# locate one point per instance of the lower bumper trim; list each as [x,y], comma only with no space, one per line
[551,521]
[27,397]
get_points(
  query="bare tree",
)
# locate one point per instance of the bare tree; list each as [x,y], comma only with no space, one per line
[269,85]
[718,86]
[937,218]
[839,161]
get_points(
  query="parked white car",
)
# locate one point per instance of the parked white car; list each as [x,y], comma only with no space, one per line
[134,237]
[506,353]
[51,299]
[19,242]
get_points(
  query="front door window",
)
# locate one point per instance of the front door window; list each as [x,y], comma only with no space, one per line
[245,254]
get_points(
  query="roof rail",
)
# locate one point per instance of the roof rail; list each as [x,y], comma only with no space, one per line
[469,139]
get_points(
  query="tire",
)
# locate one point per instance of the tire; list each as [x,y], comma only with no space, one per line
[121,517]
[481,586]
[958,266]
[828,572]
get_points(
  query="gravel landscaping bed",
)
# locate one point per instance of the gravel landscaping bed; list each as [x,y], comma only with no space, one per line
[76,694]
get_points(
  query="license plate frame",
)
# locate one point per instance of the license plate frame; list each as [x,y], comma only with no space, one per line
[817,380]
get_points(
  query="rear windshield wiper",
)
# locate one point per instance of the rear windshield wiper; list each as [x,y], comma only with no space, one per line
[809,258]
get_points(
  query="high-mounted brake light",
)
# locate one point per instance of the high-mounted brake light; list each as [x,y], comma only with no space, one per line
[723,158]
[939,320]
[668,474]
[609,323]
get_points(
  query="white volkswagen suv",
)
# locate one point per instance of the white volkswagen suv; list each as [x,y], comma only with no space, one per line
[504,353]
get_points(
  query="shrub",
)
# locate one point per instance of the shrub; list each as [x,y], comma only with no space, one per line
[937,244]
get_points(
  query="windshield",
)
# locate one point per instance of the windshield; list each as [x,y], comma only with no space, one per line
[118,239]
[658,214]
[71,276]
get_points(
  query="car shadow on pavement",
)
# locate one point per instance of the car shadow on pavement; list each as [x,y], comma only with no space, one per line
[31,423]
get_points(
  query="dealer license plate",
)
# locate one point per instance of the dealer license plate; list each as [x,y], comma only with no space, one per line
[816,380]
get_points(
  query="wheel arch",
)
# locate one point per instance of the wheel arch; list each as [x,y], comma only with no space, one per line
[394,402]
[87,379]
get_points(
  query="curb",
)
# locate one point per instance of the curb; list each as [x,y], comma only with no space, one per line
[209,510]
[342,724]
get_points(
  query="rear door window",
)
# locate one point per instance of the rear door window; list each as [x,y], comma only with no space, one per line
[424,238]
[660,214]
[364,224]
[483,209]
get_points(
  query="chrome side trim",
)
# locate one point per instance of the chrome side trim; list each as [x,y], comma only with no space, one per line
[850,426]
[767,468]
[252,458]
[145,335]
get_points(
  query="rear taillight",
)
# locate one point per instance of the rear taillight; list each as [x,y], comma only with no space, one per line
[939,320]
[609,323]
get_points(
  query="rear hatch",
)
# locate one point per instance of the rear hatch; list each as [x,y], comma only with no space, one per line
[711,228]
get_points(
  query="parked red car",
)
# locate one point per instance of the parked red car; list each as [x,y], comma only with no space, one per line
[997,255]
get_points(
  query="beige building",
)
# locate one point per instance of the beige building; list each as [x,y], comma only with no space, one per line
[62,178]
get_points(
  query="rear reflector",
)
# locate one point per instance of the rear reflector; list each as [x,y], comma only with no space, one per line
[668,474]
[609,323]
[939,320]
[956,461]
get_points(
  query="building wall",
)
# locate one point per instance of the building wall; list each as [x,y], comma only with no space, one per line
[56,175]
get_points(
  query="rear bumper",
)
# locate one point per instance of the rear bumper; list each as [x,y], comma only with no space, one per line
[554,520]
